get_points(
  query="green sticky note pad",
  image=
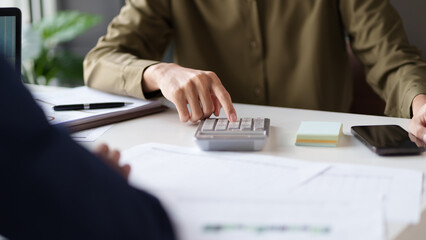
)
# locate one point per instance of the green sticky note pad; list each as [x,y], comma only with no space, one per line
[324,134]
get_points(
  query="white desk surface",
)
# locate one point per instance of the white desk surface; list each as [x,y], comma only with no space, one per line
[165,127]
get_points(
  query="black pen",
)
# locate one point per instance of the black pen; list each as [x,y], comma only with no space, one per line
[87,106]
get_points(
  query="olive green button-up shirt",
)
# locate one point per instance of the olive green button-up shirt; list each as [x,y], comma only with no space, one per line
[288,53]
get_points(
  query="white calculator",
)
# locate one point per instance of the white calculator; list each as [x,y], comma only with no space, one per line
[219,134]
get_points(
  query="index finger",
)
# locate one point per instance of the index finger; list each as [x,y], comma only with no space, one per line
[225,100]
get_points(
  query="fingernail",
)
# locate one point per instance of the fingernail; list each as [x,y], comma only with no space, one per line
[233,117]
[424,138]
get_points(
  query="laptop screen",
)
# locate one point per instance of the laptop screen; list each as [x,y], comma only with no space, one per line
[10,36]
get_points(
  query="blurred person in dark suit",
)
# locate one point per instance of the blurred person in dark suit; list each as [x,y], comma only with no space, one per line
[52,188]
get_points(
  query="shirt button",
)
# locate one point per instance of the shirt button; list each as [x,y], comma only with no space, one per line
[253,44]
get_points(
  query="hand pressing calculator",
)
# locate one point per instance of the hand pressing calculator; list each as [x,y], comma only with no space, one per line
[219,134]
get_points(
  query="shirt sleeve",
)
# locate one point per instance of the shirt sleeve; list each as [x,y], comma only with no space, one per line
[136,39]
[394,68]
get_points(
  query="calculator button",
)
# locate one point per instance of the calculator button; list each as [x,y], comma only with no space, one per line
[234,125]
[246,133]
[221,124]
[259,124]
[208,124]
[246,124]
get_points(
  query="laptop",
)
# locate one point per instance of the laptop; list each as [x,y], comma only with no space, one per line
[10,36]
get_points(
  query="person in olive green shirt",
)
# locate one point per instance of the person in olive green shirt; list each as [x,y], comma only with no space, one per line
[279,53]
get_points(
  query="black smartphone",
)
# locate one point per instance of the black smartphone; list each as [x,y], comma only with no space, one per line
[388,139]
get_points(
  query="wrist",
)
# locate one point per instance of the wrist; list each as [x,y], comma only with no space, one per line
[150,79]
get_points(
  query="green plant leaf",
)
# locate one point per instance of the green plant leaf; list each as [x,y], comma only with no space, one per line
[53,61]
[69,68]
[65,26]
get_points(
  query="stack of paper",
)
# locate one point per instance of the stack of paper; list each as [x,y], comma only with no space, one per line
[325,134]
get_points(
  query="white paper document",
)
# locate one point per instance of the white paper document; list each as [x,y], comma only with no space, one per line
[289,218]
[183,171]
[90,135]
[224,195]
[400,188]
